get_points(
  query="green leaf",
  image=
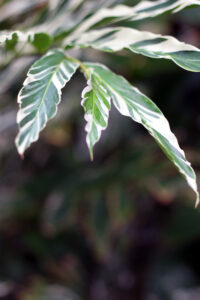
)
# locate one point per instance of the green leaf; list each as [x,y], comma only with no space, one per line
[11,42]
[143,10]
[10,37]
[41,41]
[96,104]
[41,94]
[142,42]
[131,102]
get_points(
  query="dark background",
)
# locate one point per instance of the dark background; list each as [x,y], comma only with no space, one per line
[121,227]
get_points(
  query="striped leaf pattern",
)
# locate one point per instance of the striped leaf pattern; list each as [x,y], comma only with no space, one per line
[142,42]
[131,102]
[143,10]
[41,94]
[96,104]
[149,9]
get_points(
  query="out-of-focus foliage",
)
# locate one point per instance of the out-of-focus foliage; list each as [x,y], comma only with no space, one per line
[122,227]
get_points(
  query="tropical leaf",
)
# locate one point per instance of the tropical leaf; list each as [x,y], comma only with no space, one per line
[41,94]
[142,42]
[96,103]
[143,10]
[131,102]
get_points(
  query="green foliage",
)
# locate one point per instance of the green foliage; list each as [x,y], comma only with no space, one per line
[41,41]
[11,42]
[41,92]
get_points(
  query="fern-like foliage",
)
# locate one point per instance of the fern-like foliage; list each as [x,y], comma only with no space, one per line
[41,92]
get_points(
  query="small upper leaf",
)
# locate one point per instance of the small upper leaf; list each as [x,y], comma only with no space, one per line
[96,103]
[41,94]
[11,42]
[41,41]
[131,102]
[142,42]
[11,39]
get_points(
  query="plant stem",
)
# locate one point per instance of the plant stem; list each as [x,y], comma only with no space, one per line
[82,66]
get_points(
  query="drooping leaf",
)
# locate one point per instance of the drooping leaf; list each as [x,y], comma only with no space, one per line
[96,104]
[41,94]
[142,42]
[143,10]
[131,102]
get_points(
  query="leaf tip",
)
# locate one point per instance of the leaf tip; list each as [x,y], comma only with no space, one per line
[197,201]
[21,155]
[20,150]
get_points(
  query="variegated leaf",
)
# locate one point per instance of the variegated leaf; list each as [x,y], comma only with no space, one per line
[142,42]
[96,104]
[12,40]
[143,10]
[75,12]
[41,94]
[149,9]
[131,102]
[8,36]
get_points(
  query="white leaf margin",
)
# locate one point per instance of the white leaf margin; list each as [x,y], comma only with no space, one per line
[30,78]
[135,13]
[89,118]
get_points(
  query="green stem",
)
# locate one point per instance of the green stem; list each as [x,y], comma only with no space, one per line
[82,66]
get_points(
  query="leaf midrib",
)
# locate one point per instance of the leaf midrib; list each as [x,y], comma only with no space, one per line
[47,87]
[120,95]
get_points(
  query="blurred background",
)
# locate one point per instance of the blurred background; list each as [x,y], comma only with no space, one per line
[122,227]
